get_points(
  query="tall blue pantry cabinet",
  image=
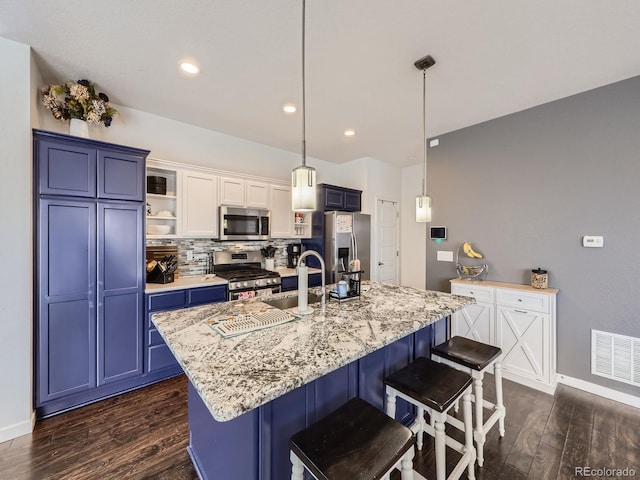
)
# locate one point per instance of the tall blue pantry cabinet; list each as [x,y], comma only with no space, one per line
[89,264]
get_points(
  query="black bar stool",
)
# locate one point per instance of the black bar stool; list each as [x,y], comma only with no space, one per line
[355,441]
[476,358]
[434,388]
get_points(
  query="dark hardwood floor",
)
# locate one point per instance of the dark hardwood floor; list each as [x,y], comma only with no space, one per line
[144,435]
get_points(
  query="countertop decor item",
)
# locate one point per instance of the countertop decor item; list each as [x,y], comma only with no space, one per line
[269,252]
[78,101]
[539,278]
[470,267]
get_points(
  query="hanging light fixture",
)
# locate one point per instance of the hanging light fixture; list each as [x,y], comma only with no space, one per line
[303,178]
[423,202]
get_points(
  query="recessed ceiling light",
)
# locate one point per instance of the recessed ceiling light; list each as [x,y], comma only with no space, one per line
[349,132]
[289,108]
[190,68]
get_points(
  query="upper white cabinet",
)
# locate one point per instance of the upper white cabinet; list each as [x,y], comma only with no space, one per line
[190,206]
[281,213]
[238,192]
[519,319]
[257,194]
[162,218]
[199,205]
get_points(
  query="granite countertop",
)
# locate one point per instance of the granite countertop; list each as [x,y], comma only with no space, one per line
[291,272]
[185,282]
[236,375]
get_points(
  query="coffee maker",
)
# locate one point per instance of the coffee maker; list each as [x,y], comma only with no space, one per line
[294,251]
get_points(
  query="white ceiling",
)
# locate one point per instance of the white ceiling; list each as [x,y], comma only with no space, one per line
[494,57]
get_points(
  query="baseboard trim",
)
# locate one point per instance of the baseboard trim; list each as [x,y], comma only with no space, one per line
[18,429]
[549,389]
[601,391]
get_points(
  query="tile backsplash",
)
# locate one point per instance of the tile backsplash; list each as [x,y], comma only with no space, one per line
[200,248]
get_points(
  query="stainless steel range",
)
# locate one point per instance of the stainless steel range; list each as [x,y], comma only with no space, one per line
[243,271]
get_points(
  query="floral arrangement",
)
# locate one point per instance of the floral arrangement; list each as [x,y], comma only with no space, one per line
[78,100]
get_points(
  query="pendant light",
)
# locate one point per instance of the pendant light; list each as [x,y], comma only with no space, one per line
[303,178]
[423,202]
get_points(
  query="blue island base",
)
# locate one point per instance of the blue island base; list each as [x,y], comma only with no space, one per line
[256,444]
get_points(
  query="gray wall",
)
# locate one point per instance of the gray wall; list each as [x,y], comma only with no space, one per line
[525,188]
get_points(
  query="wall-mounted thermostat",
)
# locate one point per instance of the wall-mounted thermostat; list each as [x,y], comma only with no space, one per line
[593,241]
[438,233]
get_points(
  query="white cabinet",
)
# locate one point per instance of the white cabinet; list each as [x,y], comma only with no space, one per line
[520,320]
[257,194]
[162,210]
[199,205]
[232,191]
[475,321]
[281,213]
[284,222]
[239,192]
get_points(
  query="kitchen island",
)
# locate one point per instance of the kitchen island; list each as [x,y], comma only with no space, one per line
[248,394]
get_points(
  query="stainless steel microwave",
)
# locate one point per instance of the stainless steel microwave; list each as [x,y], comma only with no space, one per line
[244,223]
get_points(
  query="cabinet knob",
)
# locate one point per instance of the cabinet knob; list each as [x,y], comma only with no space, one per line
[471,292]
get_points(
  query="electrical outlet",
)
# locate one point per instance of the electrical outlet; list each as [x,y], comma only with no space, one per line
[189,255]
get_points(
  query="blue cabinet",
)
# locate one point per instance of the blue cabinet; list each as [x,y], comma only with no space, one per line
[90,264]
[291,283]
[78,167]
[120,291]
[256,445]
[66,331]
[159,359]
[332,197]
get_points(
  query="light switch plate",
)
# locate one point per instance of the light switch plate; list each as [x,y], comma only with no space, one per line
[444,256]
[593,241]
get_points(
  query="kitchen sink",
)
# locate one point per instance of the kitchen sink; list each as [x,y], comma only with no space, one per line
[291,302]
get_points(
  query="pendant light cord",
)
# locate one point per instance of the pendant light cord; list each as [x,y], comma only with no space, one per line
[424,127]
[304,138]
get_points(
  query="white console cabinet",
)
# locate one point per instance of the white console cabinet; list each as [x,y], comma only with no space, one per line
[519,319]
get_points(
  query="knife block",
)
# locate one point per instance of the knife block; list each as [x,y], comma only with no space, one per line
[157,275]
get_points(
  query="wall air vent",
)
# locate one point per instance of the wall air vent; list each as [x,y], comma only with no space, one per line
[615,356]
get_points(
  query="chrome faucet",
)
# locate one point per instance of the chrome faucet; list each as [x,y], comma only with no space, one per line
[306,253]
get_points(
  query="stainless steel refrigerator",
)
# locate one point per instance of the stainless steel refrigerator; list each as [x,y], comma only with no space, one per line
[347,236]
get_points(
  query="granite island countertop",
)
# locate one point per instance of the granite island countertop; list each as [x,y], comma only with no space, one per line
[236,375]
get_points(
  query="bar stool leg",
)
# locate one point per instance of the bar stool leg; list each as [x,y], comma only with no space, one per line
[407,466]
[391,403]
[297,469]
[479,430]
[468,436]
[441,461]
[421,428]
[497,371]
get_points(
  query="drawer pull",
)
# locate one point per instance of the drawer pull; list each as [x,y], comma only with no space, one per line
[519,311]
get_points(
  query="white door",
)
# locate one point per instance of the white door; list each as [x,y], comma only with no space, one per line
[199,205]
[387,241]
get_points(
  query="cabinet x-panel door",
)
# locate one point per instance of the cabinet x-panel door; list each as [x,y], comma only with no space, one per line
[522,336]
